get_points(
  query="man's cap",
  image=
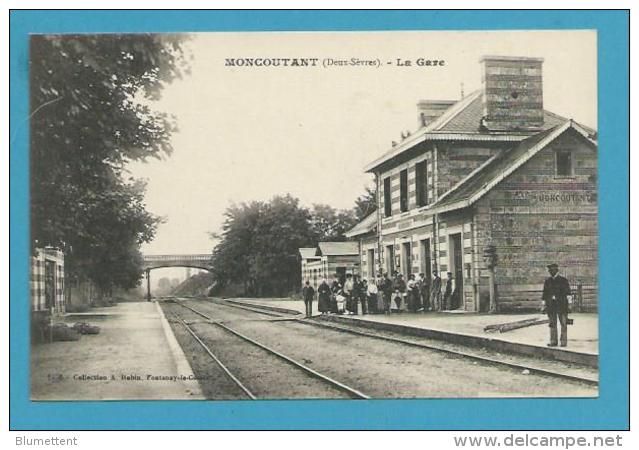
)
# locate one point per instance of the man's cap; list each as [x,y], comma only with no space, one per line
[553,265]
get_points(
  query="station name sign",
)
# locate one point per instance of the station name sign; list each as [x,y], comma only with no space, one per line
[570,197]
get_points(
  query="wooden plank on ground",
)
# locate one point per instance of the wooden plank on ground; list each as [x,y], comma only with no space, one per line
[508,326]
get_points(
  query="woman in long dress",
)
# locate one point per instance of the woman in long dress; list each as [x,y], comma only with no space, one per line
[335,288]
[351,291]
[379,282]
[324,297]
[399,296]
[413,287]
[373,297]
[340,302]
[410,293]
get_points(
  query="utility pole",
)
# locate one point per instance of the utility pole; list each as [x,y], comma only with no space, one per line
[490,258]
[378,201]
[148,285]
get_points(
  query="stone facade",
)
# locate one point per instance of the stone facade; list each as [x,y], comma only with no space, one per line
[535,217]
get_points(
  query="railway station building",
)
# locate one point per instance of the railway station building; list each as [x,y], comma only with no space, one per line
[493,170]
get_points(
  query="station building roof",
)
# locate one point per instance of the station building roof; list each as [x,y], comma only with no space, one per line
[462,121]
[367,225]
[337,248]
[308,252]
[505,162]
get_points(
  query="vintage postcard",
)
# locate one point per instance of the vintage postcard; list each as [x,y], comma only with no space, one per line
[314,215]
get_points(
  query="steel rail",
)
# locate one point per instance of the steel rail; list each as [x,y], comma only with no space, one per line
[265,308]
[266,312]
[485,359]
[216,359]
[351,391]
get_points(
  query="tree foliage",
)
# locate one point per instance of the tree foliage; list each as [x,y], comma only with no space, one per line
[366,204]
[330,224]
[90,116]
[259,243]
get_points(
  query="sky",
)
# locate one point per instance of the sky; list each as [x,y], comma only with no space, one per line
[250,133]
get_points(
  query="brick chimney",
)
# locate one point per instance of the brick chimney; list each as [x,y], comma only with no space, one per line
[512,97]
[429,110]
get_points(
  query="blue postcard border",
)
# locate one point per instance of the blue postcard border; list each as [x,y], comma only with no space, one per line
[610,411]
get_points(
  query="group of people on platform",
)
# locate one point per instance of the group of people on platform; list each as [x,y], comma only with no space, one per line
[382,294]
[351,295]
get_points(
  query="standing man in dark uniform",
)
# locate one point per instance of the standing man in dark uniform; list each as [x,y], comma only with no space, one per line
[436,291]
[448,292]
[555,297]
[387,292]
[308,293]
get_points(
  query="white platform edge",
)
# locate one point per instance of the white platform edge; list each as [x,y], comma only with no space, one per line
[181,363]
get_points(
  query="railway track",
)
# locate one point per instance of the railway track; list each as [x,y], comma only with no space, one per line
[349,391]
[226,370]
[531,368]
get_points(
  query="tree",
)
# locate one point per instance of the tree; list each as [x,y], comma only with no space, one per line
[366,203]
[283,228]
[232,255]
[108,253]
[330,224]
[91,114]
[259,245]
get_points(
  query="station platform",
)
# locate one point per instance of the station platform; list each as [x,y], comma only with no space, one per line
[135,357]
[468,329]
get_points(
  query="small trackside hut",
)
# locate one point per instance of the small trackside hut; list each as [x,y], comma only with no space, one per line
[309,268]
[47,287]
[496,172]
[329,259]
[47,281]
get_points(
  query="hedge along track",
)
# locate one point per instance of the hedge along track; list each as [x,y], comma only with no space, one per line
[351,392]
[485,359]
